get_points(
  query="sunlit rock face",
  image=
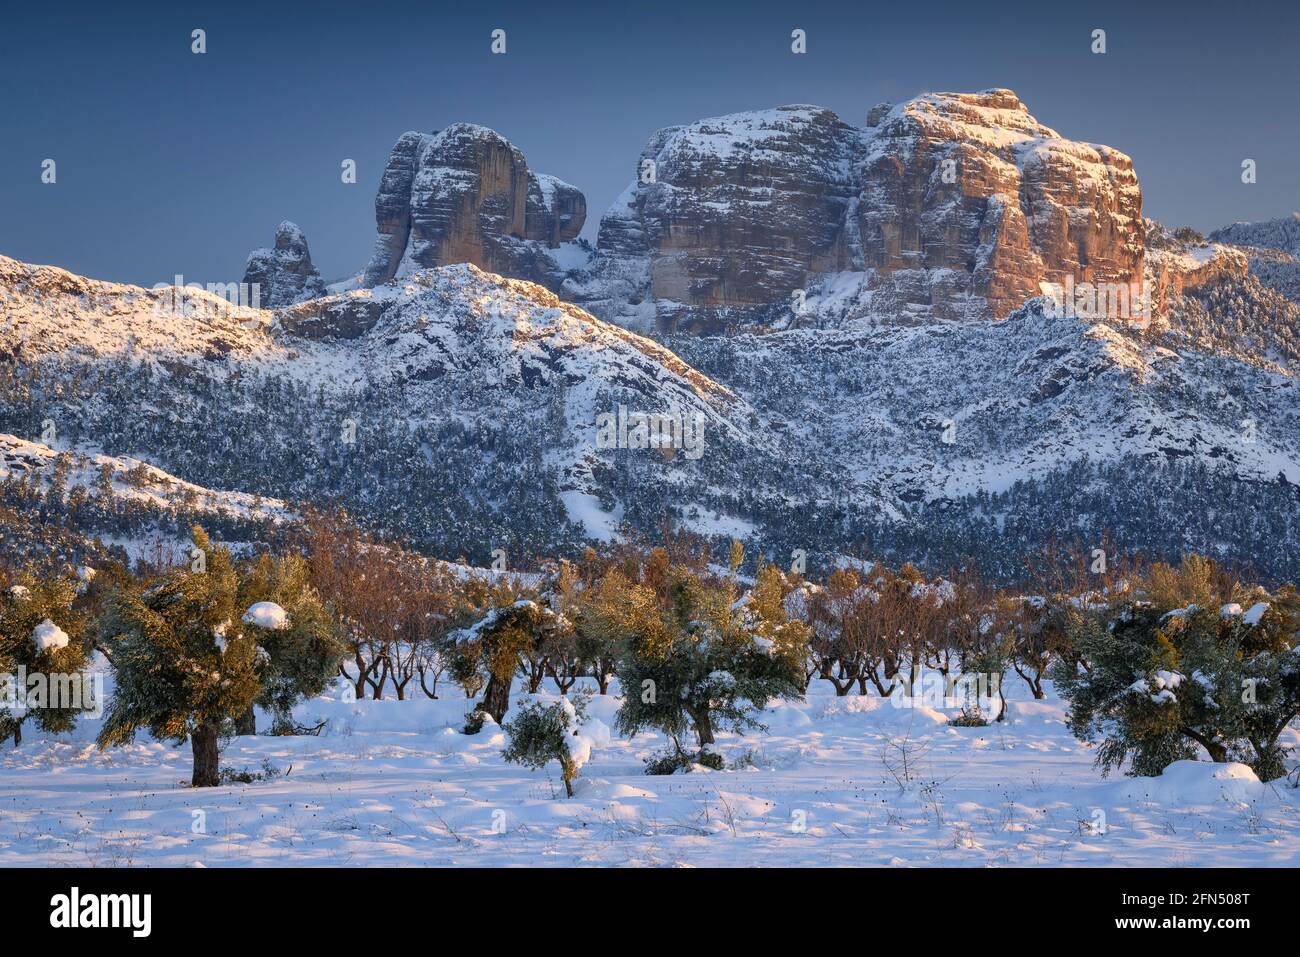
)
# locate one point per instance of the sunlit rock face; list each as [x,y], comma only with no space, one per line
[465,195]
[975,197]
[950,205]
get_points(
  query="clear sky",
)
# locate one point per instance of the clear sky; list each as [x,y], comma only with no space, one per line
[174,163]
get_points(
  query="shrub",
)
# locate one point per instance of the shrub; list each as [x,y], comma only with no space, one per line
[540,733]
[1184,665]
[189,660]
[41,633]
[701,659]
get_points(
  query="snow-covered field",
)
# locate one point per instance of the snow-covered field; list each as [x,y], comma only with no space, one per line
[395,783]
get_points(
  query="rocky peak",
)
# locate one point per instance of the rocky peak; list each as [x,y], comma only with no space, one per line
[967,199]
[284,274]
[465,195]
[726,218]
[956,205]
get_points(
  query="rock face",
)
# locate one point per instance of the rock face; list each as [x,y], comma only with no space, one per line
[967,193]
[284,275]
[466,195]
[958,205]
[1181,262]
[727,217]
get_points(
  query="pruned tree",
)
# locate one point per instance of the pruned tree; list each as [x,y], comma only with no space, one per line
[42,650]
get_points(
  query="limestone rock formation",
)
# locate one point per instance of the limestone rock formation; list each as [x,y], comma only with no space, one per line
[1180,262]
[284,274]
[954,205]
[726,219]
[970,194]
[466,195]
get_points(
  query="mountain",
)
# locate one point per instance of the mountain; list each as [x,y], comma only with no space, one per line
[726,217]
[949,205]
[863,338]
[457,408]
[465,194]
[80,508]
[284,274]
[1282,234]
[953,205]
[462,411]
[1273,249]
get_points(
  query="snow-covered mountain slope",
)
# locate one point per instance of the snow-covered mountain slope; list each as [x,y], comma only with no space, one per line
[1282,234]
[944,410]
[457,406]
[69,508]
[460,410]
[46,469]
[1273,250]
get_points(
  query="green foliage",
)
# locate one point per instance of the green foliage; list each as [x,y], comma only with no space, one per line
[676,761]
[184,659]
[245,776]
[298,661]
[165,639]
[25,606]
[1181,667]
[541,733]
[474,721]
[698,659]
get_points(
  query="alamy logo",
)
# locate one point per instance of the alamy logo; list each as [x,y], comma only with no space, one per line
[1098,300]
[25,691]
[666,431]
[181,302]
[134,911]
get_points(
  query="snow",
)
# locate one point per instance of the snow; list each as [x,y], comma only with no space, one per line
[1255,613]
[48,636]
[585,510]
[1192,784]
[395,783]
[266,614]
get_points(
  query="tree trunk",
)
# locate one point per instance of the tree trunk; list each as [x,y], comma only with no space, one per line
[18,733]
[496,698]
[206,758]
[703,727]
[247,722]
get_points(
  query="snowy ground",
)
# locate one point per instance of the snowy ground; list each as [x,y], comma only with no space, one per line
[394,783]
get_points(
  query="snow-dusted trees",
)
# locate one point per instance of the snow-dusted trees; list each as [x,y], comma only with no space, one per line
[298,643]
[183,660]
[697,657]
[186,655]
[43,655]
[498,640]
[1192,659]
[559,731]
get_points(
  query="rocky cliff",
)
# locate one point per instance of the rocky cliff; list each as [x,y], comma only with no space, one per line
[284,274]
[466,195]
[957,205]
[727,218]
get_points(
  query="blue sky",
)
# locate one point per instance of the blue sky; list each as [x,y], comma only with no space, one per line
[174,163]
